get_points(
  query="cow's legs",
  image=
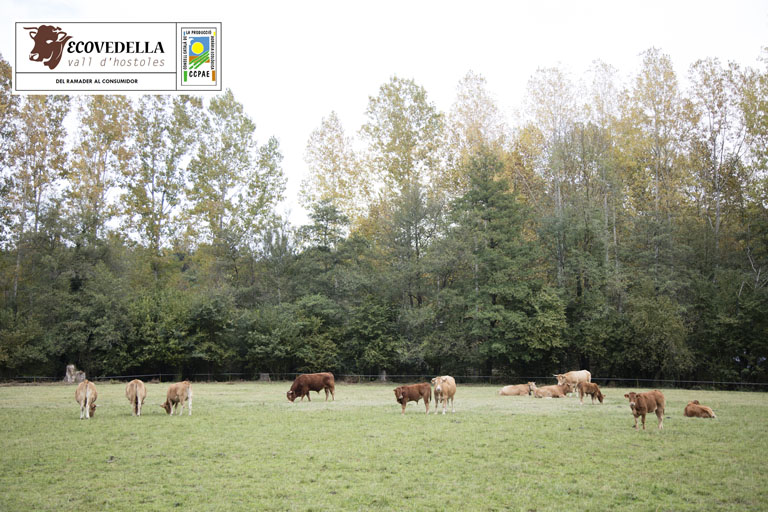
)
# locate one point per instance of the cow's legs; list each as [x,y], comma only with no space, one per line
[643,421]
[403,411]
[660,415]
[635,422]
[189,405]
[453,405]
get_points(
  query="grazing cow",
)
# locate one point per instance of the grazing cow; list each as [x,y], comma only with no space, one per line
[413,393]
[178,393]
[86,396]
[518,389]
[573,378]
[644,403]
[49,44]
[553,391]
[696,410]
[591,389]
[307,382]
[445,389]
[136,393]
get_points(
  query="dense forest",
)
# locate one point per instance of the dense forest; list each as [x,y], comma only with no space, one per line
[618,225]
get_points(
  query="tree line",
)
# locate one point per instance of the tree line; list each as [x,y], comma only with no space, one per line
[619,226]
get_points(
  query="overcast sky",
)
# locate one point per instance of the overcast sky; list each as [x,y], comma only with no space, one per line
[292,62]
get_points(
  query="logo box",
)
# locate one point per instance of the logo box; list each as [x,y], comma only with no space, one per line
[116,57]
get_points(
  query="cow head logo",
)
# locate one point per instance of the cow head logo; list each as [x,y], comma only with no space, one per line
[49,44]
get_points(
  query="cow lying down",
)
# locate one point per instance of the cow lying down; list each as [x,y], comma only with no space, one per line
[553,391]
[696,410]
[518,389]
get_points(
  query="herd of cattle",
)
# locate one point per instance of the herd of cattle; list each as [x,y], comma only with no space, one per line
[443,388]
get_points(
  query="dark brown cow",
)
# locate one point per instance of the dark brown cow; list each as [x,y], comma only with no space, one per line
[49,44]
[553,391]
[413,393]
[696,410]
[307,382]
[591,389]
[644,403]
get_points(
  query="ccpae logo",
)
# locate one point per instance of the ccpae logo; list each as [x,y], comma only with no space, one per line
[49,44]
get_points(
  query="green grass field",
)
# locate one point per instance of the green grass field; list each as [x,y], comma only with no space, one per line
[246,447]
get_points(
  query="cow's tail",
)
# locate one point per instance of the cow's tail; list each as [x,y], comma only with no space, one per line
[136,398]
[87,399]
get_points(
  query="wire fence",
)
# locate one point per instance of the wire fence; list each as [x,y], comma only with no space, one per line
[405,378]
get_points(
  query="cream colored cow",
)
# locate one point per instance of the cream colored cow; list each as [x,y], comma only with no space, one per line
[86,396]
[445,389]
[136,393]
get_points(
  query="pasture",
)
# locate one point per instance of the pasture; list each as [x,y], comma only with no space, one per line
[246,447]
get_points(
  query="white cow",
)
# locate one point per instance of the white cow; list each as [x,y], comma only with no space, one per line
[573,378]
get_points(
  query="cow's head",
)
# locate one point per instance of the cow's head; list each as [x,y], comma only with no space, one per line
[600,395]
[695,402]
[92,409]
[438,383]
[167,406]
[632,397]
[399,394]
[560,378]
[531,387]
[291,394]
[49,44]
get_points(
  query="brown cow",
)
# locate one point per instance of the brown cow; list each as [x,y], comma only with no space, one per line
[307,382]
[136,393]
[49,44]
[553,391]
[591,389]
[696,410]
[413,393]
[86,396]
[178,393]
[518,389]
[445,389]
[644,403]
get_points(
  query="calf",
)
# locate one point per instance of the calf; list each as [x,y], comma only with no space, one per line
[178,393]
[413,393]
[518,389]
[591,389]
[644,403]
[86,396]
[553,391]
[307,382]
[445,389]
[696,410]
[136,393]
